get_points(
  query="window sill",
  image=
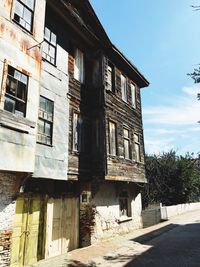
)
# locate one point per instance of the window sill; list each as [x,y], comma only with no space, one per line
[13,122]
[39,143]
[110,92]
[52,64]
[23,28]
[124,219]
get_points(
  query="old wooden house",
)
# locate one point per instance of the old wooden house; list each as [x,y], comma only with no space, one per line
[71,137]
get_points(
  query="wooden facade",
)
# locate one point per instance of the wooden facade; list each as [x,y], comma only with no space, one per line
[80,139]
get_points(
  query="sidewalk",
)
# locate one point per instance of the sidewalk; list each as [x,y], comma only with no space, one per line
[117,251]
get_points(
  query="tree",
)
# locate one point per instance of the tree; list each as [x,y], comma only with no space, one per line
[171,179]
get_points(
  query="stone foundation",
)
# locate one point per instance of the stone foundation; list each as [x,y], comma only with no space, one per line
[5,243]
[9,184]
[108,222]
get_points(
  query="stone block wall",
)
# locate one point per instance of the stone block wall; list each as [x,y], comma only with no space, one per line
[5,243]
[8,188]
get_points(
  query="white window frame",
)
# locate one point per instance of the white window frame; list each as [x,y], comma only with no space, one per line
[112,138]
[124,88]
[79,66]
[137,147]
[126,135]
[133,95]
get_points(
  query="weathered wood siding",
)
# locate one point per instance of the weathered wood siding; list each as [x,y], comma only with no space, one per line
[124,115]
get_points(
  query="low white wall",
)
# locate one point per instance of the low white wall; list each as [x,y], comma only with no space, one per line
[170,211]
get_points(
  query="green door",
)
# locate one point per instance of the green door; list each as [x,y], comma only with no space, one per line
[27,230]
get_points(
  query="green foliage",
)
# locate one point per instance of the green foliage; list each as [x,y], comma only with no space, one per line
[171,179]
[195,75]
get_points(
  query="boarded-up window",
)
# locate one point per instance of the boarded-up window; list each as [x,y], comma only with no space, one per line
[79,66]
[126,144]
[77,132]
[137,148]
[124,88]
[112,139]
[133,95]
[124,204]
[45,121]
[49,46]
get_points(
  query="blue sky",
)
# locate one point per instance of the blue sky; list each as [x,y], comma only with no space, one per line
[162,38]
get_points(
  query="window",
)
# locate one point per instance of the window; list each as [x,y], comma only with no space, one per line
[133,95]
[112,139]
[79,66]
[23,13]
[124,205]
[124,88]
[77,125]
[45,121]
[49,46]
[110,81]
[126,144]
[137,148]
[16,92]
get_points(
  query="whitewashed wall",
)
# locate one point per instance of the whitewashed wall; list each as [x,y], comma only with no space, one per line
[107,219]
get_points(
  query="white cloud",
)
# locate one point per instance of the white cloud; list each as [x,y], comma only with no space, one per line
[157,145]
[173,126]
[183,110]
[192,91]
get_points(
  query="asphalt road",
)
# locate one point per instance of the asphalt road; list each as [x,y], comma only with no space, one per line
[179,247]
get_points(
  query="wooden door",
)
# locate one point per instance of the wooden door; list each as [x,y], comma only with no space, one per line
[62,225]
[54,227]
[25,238]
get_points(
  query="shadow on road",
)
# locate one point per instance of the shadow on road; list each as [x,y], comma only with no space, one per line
[179,247]
[143,239]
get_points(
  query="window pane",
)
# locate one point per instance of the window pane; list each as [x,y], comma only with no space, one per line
[11,86]
[24,79]
[136,138]
[45,47]
[21,91]
[9,104]
[126,133]
[126,149]
[49,107]
[42,103]
[112,130]
[19,9]
[109,78]
[17,75]
[137,152]
[27,16]
[47,34]
[40,126]
[52,51]
[20,108]
[123,88]
[30,4]
[47,129]
[53,38]
[133,95]
[79,66]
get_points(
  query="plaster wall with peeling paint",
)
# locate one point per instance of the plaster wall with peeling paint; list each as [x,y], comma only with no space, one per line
[18,134]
